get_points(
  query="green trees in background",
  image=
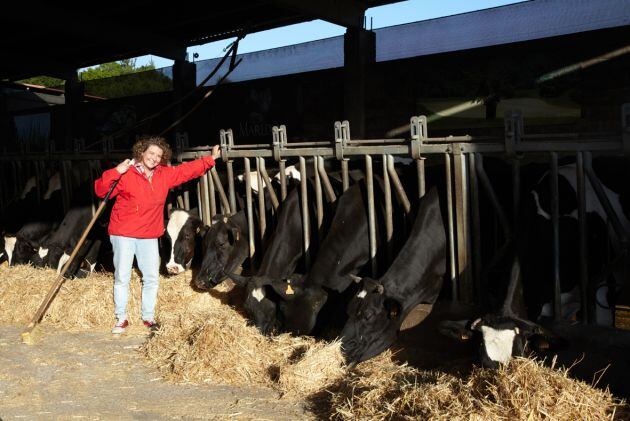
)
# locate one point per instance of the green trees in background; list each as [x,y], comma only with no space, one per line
[114,80]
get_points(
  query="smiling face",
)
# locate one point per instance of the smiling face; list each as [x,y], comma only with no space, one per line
[152,157]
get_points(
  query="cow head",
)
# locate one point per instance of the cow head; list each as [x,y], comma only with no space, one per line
[260,302]
[373,320]
[52,255]
[23,251]
[9,247]
[40,258]
[500,338]
[184,230]
[225,248]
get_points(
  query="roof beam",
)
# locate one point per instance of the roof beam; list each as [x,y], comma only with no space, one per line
[106,32]
[348,13]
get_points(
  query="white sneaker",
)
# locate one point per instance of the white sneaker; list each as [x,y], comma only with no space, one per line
[120,326]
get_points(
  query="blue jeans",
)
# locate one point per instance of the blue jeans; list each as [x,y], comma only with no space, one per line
[148,257]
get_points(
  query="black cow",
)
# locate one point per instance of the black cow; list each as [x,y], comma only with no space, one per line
[281,258]
[342,255]
[376,313]
[225,248]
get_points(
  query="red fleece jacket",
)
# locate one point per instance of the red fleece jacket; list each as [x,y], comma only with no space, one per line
[139,208]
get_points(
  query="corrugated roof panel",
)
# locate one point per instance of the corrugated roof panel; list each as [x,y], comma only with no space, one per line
[501,25]
[306,57]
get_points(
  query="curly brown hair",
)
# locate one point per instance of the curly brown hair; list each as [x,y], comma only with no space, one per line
[143,143]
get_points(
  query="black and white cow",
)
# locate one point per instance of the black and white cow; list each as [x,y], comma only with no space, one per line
[284,252]
[538,258]
[377,311]
[55,250]
[23,247]
[504,333]
[183,236]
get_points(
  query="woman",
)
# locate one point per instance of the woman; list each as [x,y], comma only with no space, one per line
[137,218]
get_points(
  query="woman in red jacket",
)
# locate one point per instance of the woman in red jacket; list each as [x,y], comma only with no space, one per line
[137,218]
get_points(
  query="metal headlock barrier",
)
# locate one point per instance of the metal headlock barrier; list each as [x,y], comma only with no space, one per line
[464,174]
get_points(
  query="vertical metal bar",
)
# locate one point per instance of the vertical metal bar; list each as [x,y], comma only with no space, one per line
[262,215]
[283,179]
[461,221]
[476,228]
[91,170]
[389,214]
[318,194]
[306,230]
[581,196]
[64,186]
[516,195]
[250,211]
[205,200]
[213,198]
[227,208]
[180,204]
[186,199]
[422,185]
[371,213]
[199,200]
[451,234]
[555,221]
[230,177]
[344,174]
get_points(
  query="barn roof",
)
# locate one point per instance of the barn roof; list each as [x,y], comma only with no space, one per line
[43,38]
[513,23]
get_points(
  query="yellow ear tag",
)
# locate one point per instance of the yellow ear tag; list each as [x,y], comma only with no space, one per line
[237,236]
[198,229]
[289,290]
[225,219]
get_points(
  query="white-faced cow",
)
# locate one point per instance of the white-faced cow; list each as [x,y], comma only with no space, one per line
[503,334]
[184,233]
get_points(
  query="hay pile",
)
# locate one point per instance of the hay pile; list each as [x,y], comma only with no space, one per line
[78,305]
[215,344]
[202,340]
[524,389]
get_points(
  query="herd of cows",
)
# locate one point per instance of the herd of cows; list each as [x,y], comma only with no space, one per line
[331,287]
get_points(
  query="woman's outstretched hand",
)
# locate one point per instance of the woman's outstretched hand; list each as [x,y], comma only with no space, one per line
[216,152]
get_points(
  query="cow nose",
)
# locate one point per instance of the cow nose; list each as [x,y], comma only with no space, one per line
[173,270]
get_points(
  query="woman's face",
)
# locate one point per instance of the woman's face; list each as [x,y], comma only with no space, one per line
[152,157]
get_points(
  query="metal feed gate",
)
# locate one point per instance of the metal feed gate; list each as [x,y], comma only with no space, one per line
[464,174]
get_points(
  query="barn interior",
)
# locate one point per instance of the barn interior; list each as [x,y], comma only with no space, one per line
[506,97]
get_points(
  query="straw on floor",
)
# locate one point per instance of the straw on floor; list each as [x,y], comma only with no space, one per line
[204,340]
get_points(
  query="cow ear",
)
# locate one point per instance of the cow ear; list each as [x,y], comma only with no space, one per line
[456,329]
[373,286]
[202,230]
[234,235]
[239,280]
[476,324]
